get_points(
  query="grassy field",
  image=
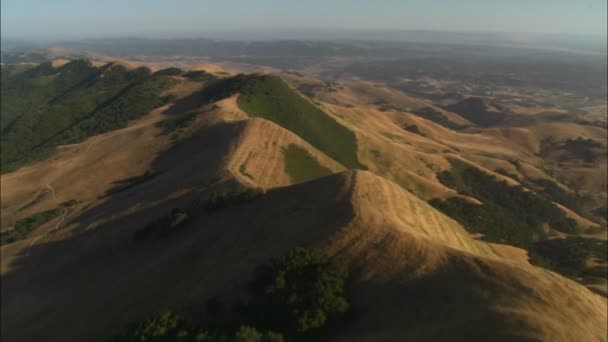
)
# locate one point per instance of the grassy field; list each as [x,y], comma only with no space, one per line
[301,166]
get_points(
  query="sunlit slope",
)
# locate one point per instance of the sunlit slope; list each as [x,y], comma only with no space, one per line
[261,155]
[269,97]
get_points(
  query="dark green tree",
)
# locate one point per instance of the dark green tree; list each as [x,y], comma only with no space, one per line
[301,291]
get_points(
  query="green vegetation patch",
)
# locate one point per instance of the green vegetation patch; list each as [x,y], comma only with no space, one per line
[177,121]
[220,200]
[511,215]
[243,171]
[270,98]
[554,192]
[298,293]
[24,227]
[569,256]
[298,297]
[527,206]
[45,107]
[164,226]
[301,166]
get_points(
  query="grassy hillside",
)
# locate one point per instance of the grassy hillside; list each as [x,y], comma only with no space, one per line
[401,254]
[512,215]
[271,98]
[45,106]
[478,111]
[301,166]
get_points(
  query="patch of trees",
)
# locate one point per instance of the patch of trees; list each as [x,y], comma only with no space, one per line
[164,226]
[511,215]
[171,326]
[24,227]
[498,196]
[569,256]
[601,212]
[585,149]
[477,110]
[199,76]
[171,71]
[221,200]
[506,172]
[182,120]
[44,107]
[414,129]
[300,296]
[554,192]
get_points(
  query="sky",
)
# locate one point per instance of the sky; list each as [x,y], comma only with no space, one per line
[175,18]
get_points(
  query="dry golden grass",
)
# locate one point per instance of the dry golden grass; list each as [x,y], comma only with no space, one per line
[212,69]
[417,274]
[583,222]
[258,155]
[56,63]
[83,171]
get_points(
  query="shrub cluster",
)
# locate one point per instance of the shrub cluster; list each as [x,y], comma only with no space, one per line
[221,200]
[164,226]
[296,297]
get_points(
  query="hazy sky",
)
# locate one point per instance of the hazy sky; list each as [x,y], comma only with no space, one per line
[79,18]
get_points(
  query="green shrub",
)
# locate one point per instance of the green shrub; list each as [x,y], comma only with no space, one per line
[569,256]
[505,202]
[174,122]
[250,334]
[221,200]
[552,191]
[511,215]
[164,226]
[300,292]
[199,76]
[24,227]
[296,296]
[171,71]
[165,327]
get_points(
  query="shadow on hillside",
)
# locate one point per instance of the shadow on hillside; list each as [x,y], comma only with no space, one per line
[104,236]
[102,275]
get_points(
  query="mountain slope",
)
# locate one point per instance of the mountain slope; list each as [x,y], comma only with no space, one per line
[48,106]
[401,271]
[416,273]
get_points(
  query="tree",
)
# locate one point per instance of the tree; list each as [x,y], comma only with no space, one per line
[251,334]
[301,291]
[165,327]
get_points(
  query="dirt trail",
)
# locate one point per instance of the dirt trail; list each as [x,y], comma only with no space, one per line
[64,214]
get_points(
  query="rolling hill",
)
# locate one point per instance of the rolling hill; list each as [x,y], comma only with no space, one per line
[256,168]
